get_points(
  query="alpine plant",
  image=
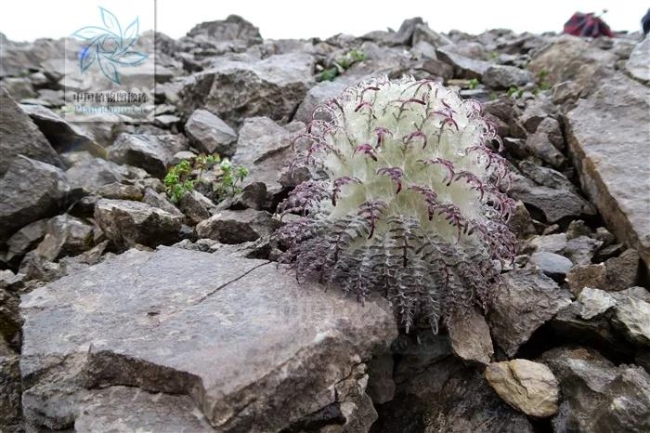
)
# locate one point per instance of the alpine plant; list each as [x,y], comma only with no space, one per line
[410,204]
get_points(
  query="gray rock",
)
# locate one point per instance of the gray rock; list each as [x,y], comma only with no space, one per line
[19,88]
[39,80]
[121,408]
[417,355]
[35,267]
[469,47]
[520,222]
[48,98]
[381,386]
[119,191]
[143,151]
[91,257]
[536,111]
[554,203]
[551,128]
[237,336]
[545,176]
[525,301]
[527,386]
[553,243]
[422,33]
[638,65]
[622,271]
[553,265]
[156,199]
[565,94]
[236,90]
[255,196]
[594,302]
[92,174]
[167,121]
[17,57]
[380,60]
[63,136]
[10,281]
[503,77]
[235,227]
[11,419]
[65,236]
[103,128]
[597,331]
[320,93]
[464,67]
[591,275]
[196,207]
[424,50]
[10,321]
[642,359]
[631,314]
[19,136]
[599,397]
[578,228]
[130,222]
[539,145]
[264,147]
[438,68]
[76,157]
[239,33]
[606,253]
[30,190]
[183,154]
[603,138]
[470,337]
[581,250]
[209,134]
[571,58]
[403,36]
[448,397]
[26,239]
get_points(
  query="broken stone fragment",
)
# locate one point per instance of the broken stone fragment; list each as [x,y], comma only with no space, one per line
[527,386]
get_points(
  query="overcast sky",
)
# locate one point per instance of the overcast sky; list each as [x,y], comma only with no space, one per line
[31,19]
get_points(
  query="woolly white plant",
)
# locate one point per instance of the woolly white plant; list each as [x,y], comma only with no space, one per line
[411,204]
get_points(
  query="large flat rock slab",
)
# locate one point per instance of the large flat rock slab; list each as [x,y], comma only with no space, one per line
[609,141]
[253,349]
[20,136]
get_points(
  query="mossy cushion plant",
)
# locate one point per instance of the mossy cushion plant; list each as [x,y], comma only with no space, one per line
[411,204]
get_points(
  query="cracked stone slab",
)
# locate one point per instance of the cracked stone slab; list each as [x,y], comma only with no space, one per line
[253,349]
[525,301]
[608,141]
[123,409]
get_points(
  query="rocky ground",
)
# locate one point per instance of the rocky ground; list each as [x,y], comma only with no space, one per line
[123,311]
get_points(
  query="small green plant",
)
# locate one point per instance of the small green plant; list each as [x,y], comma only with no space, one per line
[178,181]
[329,74]
[182,177]
[357,55]
[231,177]
[515,92]
[542,80]
[473,83]
[342,64]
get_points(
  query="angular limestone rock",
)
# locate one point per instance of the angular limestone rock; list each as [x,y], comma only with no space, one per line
[527,386]
[254,350]
[606,139]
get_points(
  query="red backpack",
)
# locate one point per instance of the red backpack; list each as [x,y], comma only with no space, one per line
[587,25]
